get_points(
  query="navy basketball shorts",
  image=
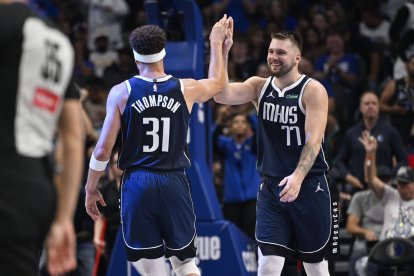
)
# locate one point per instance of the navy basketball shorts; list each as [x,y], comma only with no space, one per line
[157,215]
[305,229]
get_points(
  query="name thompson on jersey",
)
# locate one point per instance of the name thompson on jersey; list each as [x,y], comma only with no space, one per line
[156,101]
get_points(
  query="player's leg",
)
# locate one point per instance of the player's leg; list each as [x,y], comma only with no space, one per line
[317,269]
[178,223]
[140,227]
[273,229]
[316,230]
[151,267]
[187,267]
[270,265]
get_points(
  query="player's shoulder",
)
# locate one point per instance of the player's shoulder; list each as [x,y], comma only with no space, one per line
[314,84]
[119,92]
[314,88]
[120,87]
[257,81]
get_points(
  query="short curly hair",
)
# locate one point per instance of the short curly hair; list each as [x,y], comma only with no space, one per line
[147,39]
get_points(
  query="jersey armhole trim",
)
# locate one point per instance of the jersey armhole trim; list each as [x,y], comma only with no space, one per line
[181,85]
[301,94]
[263,90]
[128,86]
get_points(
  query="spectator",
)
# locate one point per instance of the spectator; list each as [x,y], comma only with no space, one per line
[94,101]
[240,65]
[313,46]
[341,69]
[320,23]
[103,56]
[278,11]
[397,100]
[256,45]
[375,27]
[398,204]
[240,177]
[121,70]
[105,17]
[365,220]
[402,37]
[351,155]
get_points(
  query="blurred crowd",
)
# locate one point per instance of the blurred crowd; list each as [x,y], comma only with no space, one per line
[362,51]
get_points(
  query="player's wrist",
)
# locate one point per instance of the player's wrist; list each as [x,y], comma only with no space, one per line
[370,156]
[216,43]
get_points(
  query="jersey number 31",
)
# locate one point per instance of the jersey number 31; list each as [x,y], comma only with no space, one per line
[154,132]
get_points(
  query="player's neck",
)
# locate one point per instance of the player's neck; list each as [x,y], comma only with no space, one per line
[287,80]
[152,71]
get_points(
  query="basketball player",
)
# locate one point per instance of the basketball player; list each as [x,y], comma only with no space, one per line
[38,98]
[294,209]
[152,112]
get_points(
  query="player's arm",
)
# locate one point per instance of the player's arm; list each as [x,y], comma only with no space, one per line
[240,92]
[315,100]
[100,157]
[202,90]
[236,93]
[370,167]
[61,239]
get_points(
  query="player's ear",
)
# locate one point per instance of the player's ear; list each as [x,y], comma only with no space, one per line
[298,57]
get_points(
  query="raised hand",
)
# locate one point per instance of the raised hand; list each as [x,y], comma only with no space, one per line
[219,30]
[228,42]
[369,142]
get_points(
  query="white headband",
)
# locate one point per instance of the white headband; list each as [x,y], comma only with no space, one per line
[149,58]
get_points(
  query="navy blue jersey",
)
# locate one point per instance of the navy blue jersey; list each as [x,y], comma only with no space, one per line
[281,130]
[154,125]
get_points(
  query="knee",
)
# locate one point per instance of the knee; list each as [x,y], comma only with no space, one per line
[319,269]
[151,267]
[186,267]
[270,265]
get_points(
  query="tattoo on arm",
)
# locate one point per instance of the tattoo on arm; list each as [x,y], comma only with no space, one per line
[307,158]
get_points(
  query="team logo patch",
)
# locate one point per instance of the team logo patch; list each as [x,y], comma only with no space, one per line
[271,95]
[45,99]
